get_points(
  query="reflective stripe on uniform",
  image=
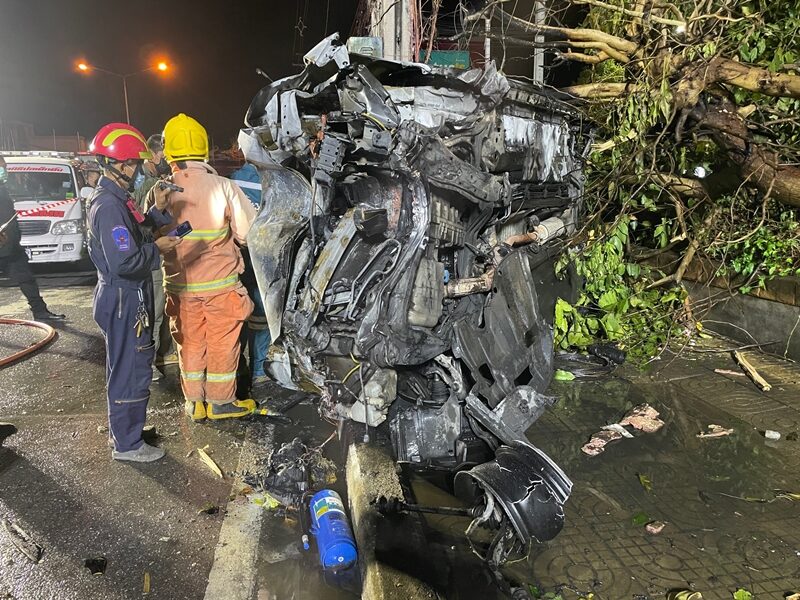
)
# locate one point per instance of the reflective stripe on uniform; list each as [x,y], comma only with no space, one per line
[202,286]
[250,185]
[207,234]
[220,377]
[193,375]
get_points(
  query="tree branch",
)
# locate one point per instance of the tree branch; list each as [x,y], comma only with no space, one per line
[632,13]
[595,91]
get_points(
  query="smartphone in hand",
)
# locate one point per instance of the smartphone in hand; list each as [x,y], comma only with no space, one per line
[181,230]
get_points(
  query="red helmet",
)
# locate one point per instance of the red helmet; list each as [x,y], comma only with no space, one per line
[119,141]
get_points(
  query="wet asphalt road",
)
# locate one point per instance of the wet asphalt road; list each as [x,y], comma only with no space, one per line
[59,484]
[726,525]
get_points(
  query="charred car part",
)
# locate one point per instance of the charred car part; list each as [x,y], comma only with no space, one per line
[411,217]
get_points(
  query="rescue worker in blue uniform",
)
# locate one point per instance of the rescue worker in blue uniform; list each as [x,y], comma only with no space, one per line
[122,247]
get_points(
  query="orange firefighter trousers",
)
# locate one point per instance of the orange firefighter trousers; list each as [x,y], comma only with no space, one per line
[206,331]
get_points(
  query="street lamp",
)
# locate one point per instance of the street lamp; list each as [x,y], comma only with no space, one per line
[161,66]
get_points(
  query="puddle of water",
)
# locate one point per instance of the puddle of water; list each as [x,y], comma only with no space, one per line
[285,571]
[713,540]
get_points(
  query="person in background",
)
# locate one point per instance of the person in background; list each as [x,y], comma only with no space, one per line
[206,303]
[257,330]
[91,172]
[153,170]
[13,259]
[125,256]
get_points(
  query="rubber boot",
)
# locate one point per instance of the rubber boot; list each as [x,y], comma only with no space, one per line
[231,410]
[196,411]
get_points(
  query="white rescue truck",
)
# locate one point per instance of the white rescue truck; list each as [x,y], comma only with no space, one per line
[48,193]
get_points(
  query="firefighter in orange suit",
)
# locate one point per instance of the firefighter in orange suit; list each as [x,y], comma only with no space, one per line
[206,303]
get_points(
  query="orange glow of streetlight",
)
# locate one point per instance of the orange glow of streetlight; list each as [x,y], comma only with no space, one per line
[83,66]
[162,66]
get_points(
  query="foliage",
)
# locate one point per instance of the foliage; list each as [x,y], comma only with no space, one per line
[755,253]
[615,304]
[742,594]
[632,210]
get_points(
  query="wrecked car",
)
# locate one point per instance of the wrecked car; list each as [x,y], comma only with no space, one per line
[411,217]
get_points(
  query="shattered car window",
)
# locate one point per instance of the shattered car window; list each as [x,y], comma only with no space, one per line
[411,217]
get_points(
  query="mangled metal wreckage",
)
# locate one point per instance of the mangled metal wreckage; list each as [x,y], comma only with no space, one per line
[410,220]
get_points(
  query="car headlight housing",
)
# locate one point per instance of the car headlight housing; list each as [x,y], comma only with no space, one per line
[68,227]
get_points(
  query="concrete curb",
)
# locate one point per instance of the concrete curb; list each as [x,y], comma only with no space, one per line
[233,573]
[371,474]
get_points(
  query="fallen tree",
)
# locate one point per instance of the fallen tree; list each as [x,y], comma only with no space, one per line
[697,108]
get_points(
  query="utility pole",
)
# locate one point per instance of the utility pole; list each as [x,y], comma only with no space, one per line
[391,21]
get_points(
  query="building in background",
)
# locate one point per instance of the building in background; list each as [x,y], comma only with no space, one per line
[15,135]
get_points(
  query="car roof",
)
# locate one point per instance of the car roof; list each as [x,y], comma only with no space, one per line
[39,160]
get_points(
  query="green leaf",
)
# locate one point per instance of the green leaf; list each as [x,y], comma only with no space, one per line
[607,300]
[560,375]
[640,518]
[742,594]
[645,481]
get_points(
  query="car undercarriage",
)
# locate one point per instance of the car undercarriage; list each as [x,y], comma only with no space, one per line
[411,218]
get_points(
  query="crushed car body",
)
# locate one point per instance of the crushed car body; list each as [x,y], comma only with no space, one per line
[411,218]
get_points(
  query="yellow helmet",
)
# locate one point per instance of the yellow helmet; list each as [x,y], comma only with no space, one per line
[185,139]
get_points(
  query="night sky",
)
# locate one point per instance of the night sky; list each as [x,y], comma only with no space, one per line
[214,47]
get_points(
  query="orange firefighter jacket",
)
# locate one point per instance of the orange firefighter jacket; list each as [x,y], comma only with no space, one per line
[207,262]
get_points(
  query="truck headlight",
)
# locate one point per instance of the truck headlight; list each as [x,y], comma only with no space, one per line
[68,227]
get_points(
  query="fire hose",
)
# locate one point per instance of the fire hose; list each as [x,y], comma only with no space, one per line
[51,334]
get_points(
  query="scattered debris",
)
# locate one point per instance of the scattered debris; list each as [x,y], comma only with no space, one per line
[102,429]
[291,471]
[684,595]
[210,463]
[265,500]
[189,453]
[146,584]
[96,565]
[715,431]
[598,441]
[208,509]
[729,372]
[273,556]
[655,527]
[794,596]
[771,434]
[164,539]
[23,541]
[751,371]
[647,484]
[642,417]
[619,429]
[778,495]
[742,594]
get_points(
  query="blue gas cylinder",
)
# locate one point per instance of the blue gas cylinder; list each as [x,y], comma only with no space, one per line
[329,525]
